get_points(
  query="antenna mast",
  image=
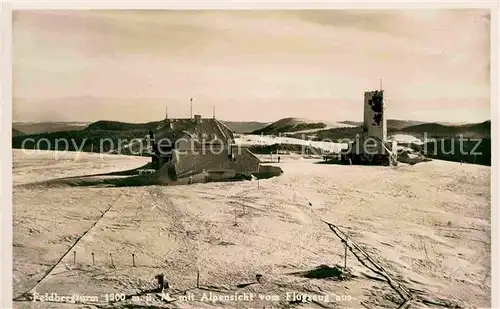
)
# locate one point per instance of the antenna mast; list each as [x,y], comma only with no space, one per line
[191,105]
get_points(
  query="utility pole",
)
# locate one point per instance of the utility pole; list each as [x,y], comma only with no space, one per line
[213,112]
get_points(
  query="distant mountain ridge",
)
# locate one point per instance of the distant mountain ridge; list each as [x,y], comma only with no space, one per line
[91,138]
[16,132]
[244,126]
[425,130]
[289,125]
[108,125]
[236,126]
[391,123]
[292,124]
[50,127]
[476,130]
[283,126]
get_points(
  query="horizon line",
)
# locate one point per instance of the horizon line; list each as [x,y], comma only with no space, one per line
[243,121]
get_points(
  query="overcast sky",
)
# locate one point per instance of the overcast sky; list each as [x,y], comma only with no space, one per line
[251,65]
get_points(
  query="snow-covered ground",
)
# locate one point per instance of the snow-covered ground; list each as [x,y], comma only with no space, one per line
[264,140]
[405,138]
[249,140]
[428,224]
[41,165]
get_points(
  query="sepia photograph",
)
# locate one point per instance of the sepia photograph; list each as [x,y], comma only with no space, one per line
[265,158]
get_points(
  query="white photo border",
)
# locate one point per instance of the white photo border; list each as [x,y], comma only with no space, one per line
[6,8]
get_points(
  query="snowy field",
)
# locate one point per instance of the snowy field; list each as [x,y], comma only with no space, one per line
[265,140]
[427,224]
[405,138]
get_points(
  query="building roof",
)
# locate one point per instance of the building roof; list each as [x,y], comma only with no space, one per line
[206,130]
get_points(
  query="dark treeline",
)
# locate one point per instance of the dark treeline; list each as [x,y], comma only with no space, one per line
[87,140]
[473,151]
[104,136]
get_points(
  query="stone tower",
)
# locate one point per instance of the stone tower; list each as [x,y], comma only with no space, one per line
[374,122]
